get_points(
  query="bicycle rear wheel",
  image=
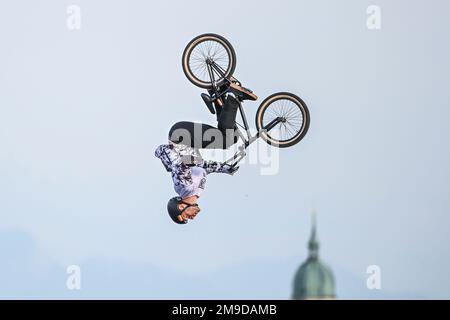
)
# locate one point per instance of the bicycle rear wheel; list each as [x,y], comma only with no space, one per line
[203,52]
[295,115]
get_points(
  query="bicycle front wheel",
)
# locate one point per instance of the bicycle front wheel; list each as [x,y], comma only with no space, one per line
[201,53]
[294,115]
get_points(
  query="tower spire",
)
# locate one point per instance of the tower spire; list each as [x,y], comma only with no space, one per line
[314,279]
[313,244]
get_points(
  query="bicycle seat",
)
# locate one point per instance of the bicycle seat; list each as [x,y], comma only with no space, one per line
[208,101]
[242,93]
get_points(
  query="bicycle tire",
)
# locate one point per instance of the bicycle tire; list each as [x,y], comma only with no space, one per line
[265,105]
[197,41]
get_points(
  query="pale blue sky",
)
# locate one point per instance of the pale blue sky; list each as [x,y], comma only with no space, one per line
[82,111]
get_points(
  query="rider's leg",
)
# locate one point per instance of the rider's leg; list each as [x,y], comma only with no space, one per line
[196,135]
[227,117]
[203,136]
[227,120]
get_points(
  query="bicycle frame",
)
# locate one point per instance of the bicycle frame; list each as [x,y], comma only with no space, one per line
[248,139]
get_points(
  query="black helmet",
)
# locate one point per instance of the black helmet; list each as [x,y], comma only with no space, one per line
[174,211]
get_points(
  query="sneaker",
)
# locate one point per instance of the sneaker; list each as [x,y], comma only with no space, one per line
[242,93]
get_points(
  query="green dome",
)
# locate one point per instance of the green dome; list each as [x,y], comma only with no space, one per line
[313,280]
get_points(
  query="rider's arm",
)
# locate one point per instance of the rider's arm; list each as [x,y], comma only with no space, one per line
[217,167]
[168,157]
[173,162]
[182,176]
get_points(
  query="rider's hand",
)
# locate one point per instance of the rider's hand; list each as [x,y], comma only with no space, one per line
[229,169]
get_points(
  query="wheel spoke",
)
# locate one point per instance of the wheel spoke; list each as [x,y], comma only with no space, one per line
[292,114]
[208,49]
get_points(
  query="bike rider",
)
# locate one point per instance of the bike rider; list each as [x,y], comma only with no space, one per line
[180,157]
[209,61]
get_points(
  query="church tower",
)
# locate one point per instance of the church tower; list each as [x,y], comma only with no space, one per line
[314,279]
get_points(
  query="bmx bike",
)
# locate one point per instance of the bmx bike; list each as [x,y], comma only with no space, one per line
[282,119]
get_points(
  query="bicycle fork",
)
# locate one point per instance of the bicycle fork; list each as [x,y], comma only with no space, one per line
[239,155]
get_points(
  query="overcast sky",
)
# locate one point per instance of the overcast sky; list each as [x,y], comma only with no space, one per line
[81,112]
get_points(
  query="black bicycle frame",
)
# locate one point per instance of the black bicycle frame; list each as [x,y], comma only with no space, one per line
[249,139]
